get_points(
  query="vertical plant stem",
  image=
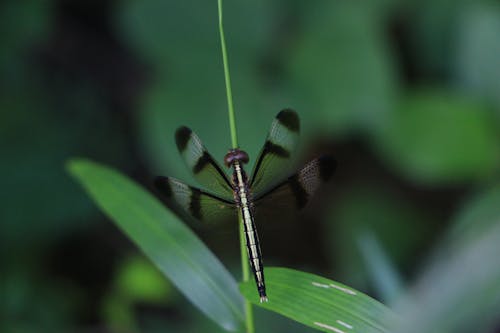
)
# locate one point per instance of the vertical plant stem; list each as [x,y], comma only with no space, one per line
[229,94]
[234,141]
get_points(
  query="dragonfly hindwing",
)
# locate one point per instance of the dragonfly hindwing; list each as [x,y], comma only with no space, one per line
[200,205]
[297,189]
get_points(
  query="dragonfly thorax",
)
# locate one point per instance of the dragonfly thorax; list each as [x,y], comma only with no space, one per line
[235,155]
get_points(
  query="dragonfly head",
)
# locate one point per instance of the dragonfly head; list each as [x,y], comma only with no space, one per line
[235,155]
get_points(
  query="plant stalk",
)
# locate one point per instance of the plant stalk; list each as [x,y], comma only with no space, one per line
[227,77]
[234,141]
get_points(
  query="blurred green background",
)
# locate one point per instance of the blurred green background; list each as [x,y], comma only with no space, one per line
[406,95]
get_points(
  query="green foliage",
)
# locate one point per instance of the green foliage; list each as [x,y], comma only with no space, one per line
[373,209]
[477,64]
[340,87]
[477,216]
[459,290]
[30,303]
[27,21]
[175,250]
[141,280]
[319,302]
[136,281]
[404,93]
[439,137]
[386,279]
[200,276]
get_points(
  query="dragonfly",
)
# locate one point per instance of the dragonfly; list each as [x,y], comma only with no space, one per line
[241,195]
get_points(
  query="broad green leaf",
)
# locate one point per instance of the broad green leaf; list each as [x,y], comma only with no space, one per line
[171,245]
[318,302]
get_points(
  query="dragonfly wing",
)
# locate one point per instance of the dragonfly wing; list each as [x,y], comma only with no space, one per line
[205,169]
[295,192]
[274,158]
[198,204]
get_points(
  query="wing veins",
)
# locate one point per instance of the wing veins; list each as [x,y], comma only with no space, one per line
[203,166]
[274,156]
[304,183]
[199,204]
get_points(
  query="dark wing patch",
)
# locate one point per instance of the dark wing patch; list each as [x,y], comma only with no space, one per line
[205,169]
[182,136]
[327,166]
[204,161]
[299,193]
[198,204]
[289,119]
[273,159]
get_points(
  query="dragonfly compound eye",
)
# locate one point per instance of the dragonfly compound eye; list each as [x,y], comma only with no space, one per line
[235,155]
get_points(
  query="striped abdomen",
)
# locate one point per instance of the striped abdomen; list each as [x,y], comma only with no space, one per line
[243,198]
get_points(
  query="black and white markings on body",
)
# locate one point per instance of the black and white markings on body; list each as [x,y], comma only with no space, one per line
[225,196]
[243,197]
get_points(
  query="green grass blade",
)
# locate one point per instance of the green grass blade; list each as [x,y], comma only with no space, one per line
[383,274]
[320,303]
[170,245]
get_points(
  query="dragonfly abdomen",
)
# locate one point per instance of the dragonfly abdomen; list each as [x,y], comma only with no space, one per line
[244,201]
